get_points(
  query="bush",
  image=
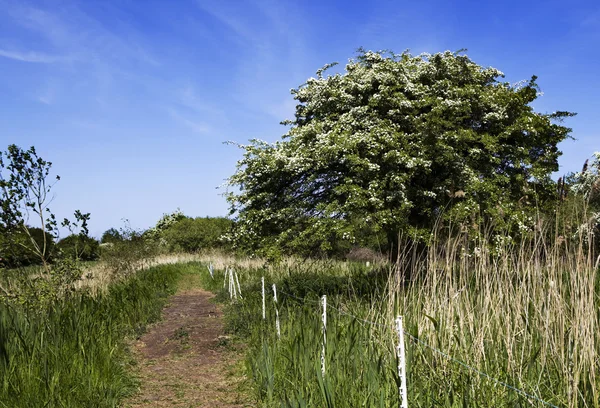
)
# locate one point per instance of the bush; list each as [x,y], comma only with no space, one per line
[15,250]
[195,234]
[73,353]
[123,258]
[79,247]
[111,235]
[362,254]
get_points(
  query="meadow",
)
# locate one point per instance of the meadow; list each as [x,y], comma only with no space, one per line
[513,325]
[431,165]
[516,328]
[73,353]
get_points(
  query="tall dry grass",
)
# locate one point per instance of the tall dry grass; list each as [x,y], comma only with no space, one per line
[98,276]
[527,314]
[495,313]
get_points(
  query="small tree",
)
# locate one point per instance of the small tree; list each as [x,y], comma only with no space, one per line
[389,146]
[584,188]
[15,249]
[195,234]
[587,181]
[24,193]
[25,186]
[111,236]
[79,245]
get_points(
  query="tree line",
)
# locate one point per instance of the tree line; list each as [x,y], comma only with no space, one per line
[29,230]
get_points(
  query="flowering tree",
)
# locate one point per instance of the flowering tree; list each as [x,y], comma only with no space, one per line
[164,223]
[391,144]
[585,186]
[587,181]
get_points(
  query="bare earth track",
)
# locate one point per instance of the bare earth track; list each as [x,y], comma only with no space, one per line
[183,360]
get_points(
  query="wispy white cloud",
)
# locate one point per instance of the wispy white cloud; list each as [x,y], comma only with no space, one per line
[31,56]
[230,16]
[272,52]
[47,94]
[71,28]
[189,98]
[46,99]
[95,55]
[195,126]
[188,108]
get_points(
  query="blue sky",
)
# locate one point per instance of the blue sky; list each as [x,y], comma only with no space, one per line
[132,100]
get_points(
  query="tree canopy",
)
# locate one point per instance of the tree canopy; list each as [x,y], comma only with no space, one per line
[25,187]
[195,234]
[390,145]
[111,236]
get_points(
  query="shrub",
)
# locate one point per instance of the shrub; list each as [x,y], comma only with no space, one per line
[15,249]
[195,234]
[79,247]
[73,354]
[111,235]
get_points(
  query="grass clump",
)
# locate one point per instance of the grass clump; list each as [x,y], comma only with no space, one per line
[525,314]
[73,352]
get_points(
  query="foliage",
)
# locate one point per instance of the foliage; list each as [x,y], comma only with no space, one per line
[390,145]
[579,212]
[24,190]
[195,234]
[587,181]
[124,257]
[494,312]
[163,223]
[80,247]
[111,236]
[25,185]
[15,250]
[74,354]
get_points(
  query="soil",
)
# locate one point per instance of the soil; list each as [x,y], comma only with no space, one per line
[186,360]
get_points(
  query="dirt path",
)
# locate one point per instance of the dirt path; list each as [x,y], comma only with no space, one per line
[184,360]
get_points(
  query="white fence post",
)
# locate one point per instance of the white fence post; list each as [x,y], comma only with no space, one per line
[232,277]
[238,283]
[263,299]
[277,327]
[401,363]
[324,335]
[211,270]
[232,293]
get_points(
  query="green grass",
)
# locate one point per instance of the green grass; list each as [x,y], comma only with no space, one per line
[287,371]
[74,354]
[528,319]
